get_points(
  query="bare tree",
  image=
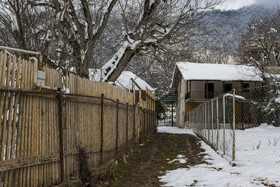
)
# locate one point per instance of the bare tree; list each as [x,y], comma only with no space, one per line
[79,26]
[260,45]
[25,27]
[73,35]
[152,24]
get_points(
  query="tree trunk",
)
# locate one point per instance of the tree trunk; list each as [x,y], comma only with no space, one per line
[123,62]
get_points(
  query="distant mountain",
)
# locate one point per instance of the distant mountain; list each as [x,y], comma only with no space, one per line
[228,25]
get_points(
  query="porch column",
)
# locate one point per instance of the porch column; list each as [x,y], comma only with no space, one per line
[182,103]
[178,105]
[172,114]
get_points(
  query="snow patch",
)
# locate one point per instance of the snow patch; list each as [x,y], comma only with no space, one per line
[174,130]
[236,96]
[181,159]
[124,81]
[112,64]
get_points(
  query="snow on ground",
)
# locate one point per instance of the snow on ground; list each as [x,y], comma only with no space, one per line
[259,144]
[174,130]
[218,171]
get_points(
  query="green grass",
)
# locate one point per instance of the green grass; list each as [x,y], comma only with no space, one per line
[171,148]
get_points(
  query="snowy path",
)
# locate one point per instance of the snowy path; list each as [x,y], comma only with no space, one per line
[218,171]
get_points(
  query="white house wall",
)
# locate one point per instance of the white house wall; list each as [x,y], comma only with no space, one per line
[182,103]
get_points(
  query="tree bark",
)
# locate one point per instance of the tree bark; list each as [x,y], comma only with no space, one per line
[123,62]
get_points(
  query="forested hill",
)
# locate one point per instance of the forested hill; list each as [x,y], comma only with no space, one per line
[229,25]
[220,45]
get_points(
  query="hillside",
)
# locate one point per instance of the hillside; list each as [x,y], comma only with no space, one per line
[229,25]
[219,46]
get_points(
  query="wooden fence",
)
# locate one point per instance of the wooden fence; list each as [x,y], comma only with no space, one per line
[46,134]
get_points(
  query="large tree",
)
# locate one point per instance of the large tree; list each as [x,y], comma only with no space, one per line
[76,35]
[260,44]
[152,25]
[79,26]
[23,26]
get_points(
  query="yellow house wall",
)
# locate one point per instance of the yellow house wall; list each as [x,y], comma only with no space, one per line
[191,105]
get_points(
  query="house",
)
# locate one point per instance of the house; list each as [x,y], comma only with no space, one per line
[142,91]
[129,81]
[195,83]
[124,81]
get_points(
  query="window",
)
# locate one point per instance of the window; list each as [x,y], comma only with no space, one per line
[228,87]
[210,87]
[245,86]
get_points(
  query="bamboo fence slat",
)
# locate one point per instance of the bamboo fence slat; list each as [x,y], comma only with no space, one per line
[29,129]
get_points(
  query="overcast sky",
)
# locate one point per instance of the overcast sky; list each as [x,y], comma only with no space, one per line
[236,4]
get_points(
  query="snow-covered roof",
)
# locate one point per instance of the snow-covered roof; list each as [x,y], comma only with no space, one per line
[220,72]
[124,81]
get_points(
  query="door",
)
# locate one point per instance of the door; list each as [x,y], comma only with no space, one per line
[209,90]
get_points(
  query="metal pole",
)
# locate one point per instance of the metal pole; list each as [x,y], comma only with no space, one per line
[26,52]
[101,129]
[233,126]
[144,122]
[126,140]
[212,121]
[209,109]
[217,110]
[224,127]
[117,126]
[20,50]
[133,131]
[205,116]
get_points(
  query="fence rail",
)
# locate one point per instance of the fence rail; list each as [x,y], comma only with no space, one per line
[51,136]
[243,125]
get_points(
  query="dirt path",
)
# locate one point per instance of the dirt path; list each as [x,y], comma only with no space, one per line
[143,166]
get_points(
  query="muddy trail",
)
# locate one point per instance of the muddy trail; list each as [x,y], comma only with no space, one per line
[151,159]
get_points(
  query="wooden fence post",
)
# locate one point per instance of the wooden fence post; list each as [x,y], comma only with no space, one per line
[101,128]
[233,126]
[60,110]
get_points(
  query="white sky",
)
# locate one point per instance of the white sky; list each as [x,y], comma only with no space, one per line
[236,4]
